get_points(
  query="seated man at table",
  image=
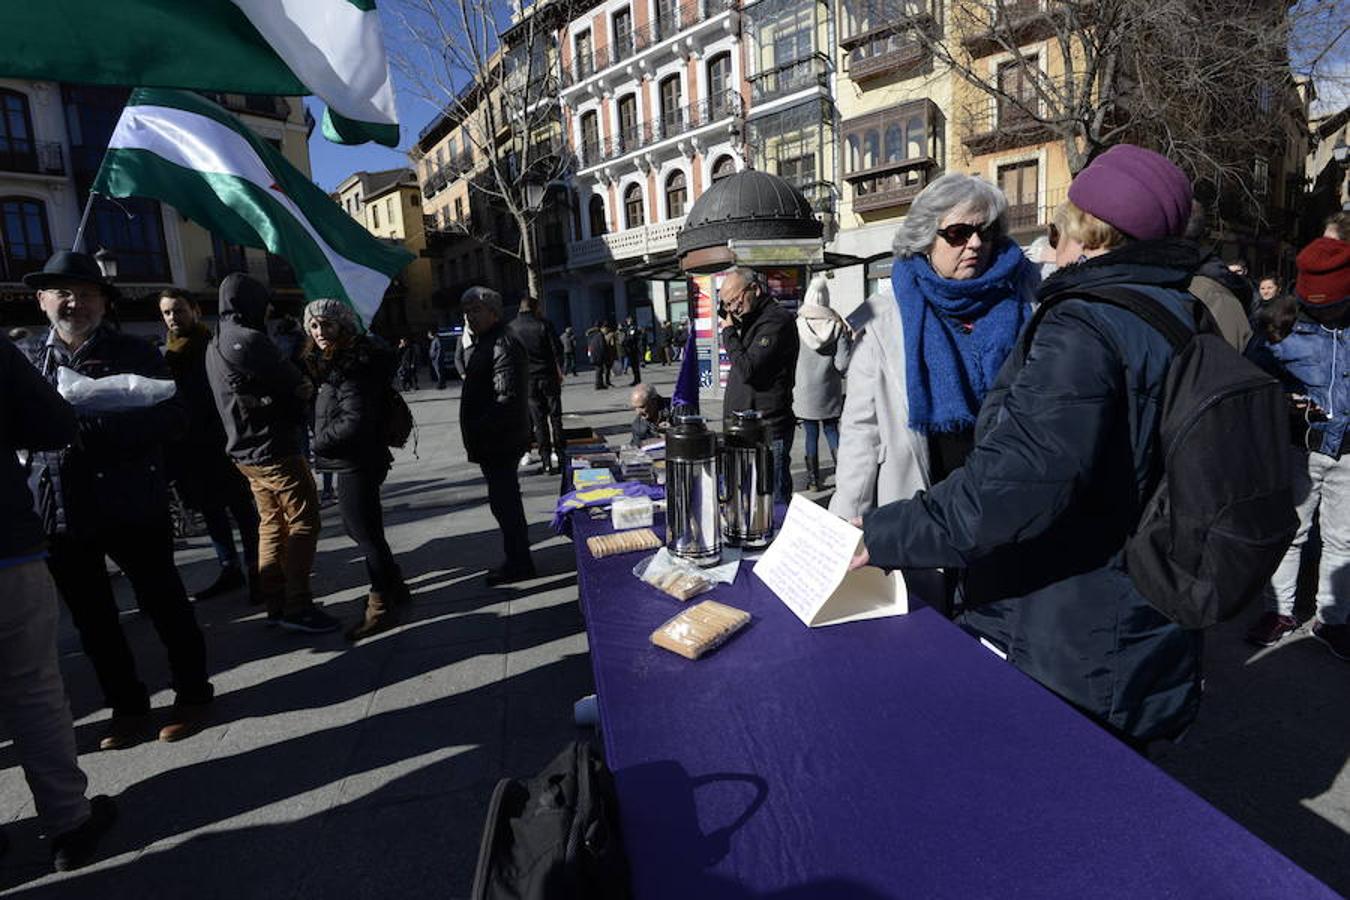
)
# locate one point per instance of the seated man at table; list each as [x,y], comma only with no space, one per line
[653,413]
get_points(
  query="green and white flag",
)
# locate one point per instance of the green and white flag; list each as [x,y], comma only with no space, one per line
[333,49]
[186,151]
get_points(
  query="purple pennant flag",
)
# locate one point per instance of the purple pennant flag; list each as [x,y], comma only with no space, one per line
[685,398]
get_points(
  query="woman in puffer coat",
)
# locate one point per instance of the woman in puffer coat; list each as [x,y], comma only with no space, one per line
[1064,459]
[353,373]
[818,397]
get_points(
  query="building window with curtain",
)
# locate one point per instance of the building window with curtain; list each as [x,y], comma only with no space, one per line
[27,242]
[676,195]
[632,207]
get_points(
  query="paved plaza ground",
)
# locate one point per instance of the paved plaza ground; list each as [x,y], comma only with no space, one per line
[341,772]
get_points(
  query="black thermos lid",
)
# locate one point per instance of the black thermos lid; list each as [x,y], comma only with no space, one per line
[689,438]
[744,428]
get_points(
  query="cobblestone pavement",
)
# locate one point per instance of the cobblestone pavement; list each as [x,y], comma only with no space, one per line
[342,772]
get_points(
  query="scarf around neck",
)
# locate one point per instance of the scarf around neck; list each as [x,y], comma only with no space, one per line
[957,335]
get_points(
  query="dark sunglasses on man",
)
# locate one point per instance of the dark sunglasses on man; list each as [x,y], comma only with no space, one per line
[960,233]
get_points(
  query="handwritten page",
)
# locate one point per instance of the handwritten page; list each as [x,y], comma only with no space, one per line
[807,567]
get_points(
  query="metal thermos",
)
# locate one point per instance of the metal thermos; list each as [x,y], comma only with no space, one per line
[693,522]
[747,481]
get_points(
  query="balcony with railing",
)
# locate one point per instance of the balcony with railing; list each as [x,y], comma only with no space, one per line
[1003,22]
[670,124]
[32,157]
[880,37]
[890,155]
[789,78]
[642,39]
[630,243]
[1002,125]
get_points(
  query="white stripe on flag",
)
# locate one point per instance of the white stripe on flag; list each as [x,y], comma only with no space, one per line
[335,48]
[204,145]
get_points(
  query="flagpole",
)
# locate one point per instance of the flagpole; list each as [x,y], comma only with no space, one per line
[84,220]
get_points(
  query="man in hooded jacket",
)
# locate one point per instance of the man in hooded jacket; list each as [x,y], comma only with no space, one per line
[261,398]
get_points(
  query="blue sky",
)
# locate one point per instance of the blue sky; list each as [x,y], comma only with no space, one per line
[333,162]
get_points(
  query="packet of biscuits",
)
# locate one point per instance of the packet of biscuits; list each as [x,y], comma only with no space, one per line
[700,629]
[602,545]
[676,577]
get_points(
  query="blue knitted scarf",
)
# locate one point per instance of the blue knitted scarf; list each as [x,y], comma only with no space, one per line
[957,335]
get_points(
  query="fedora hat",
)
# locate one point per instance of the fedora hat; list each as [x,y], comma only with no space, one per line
[67,265]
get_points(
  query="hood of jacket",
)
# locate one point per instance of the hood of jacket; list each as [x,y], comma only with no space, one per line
[244,301]
[818,326]
[1163,263]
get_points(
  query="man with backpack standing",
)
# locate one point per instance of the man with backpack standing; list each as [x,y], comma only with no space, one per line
[1311,363]
[1042,515]
[539,338]
[261,397]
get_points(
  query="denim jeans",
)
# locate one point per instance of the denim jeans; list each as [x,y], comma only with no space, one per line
[813,429]
[1320,483]
[782,468]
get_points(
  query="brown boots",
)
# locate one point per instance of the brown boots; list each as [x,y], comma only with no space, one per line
[383,612]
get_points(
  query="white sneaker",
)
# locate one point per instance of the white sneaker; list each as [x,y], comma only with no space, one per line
[529,459]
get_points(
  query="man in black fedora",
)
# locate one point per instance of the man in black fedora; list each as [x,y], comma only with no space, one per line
[107,495]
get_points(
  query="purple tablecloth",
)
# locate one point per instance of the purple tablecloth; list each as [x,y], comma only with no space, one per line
[891,758]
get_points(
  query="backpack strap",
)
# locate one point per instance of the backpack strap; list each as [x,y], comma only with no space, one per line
[1141,305]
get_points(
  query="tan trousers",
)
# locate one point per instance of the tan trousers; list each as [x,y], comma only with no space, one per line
[288,532]
[33,697]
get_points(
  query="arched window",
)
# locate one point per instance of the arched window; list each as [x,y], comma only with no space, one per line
[27,242]
[719,85]
[916,147]
[590,138]
[676,195]
[854,153]
[723,168]
[17,150]
[672,106]
[895,144]
[632,206]
[871,149]
[596,214]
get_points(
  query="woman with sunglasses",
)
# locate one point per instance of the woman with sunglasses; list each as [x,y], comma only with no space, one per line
[960,291]
[1039,515]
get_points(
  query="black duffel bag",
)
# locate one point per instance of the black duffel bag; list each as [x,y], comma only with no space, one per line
[554,836]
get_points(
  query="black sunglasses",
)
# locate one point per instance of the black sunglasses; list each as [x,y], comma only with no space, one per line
[1052,235]
[960,233]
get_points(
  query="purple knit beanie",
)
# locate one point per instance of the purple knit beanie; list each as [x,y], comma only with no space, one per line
[1141,193]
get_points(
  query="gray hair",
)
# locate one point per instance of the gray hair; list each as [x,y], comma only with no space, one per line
[949,193]
[749,276]
[484,295]
[642,393]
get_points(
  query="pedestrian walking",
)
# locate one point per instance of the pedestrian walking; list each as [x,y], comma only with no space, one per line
[108,496]
[407,364]
[568,339]
[1040,513]
[206,479]
[537,336]
[494,421]
[436,358]
[822,361]
[760,338]
[32,695]
[631,341]
[614,352]
[937,334]
[353,372]
[261,398]
[597,351]
[1310,362]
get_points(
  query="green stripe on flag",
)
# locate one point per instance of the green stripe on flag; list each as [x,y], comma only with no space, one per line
[339,230]
[237,210]
[341,130]
[363,5]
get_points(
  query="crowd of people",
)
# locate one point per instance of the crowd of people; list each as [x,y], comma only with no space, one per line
[1001,471]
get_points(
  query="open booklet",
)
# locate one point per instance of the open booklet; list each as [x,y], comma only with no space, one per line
[807,567]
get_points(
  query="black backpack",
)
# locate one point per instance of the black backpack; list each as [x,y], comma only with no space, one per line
[1222,514]
[398,420]
[554,836]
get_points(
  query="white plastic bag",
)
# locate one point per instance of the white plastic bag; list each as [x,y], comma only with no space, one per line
[112,393]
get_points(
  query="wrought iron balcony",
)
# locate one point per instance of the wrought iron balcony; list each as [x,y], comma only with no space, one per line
[671,123]
[642,38]
[33,157]
[1004,126]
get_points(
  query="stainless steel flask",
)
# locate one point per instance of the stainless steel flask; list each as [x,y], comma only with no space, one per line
[747,481]
[693,521]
